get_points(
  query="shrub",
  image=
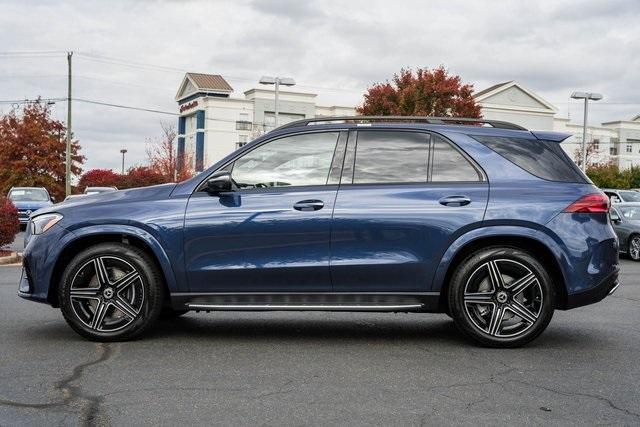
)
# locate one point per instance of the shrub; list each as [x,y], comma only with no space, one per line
[608,176]
[9,225]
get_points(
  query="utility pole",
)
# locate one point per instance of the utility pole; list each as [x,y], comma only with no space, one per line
[68,151]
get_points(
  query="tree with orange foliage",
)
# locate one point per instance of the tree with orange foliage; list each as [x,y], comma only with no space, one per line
[163,159]
[98,178]
[32,150]
[426,92]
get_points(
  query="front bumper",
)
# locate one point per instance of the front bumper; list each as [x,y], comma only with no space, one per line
[38,262]
[606,287]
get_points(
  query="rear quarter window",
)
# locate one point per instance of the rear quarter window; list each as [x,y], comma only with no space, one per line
[544,159]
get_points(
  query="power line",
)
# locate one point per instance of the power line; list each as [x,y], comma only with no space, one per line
[30,101]
[30,52]
[153,110]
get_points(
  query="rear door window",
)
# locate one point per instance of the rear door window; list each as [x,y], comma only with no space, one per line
[391,157]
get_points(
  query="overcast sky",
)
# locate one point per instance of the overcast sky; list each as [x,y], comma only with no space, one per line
[333,48]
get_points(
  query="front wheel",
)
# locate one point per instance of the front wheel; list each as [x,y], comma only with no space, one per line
[501,297]
[111,292]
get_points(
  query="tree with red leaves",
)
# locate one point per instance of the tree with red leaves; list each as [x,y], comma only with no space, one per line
[32,150]
[9,225]
[98,178]
[163,157]
[426,92]
[141,176]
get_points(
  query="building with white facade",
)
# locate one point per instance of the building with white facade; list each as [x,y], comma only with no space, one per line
[212,123]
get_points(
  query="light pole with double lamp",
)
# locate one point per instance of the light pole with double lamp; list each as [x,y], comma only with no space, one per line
[586,96]
[277,81]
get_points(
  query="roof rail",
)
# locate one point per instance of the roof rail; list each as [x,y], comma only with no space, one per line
[416,119]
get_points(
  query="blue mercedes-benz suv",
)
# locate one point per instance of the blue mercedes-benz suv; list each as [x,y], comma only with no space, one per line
[483,220]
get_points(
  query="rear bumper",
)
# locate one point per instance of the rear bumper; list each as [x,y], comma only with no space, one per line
[606,287]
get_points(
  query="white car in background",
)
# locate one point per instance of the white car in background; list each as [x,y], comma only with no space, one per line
[97,190]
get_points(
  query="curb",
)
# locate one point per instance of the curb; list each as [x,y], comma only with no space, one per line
[14,258]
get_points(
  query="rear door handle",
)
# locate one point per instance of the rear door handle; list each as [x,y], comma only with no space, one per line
[309,205]
[455,201]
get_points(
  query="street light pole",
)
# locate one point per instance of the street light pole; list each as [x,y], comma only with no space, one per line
[277,81]
[586,96]
[67,177]
[123,151]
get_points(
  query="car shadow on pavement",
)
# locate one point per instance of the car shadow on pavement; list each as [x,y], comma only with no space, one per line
[302,330]
[432,330]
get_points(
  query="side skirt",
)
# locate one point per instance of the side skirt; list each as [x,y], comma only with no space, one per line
[329,301]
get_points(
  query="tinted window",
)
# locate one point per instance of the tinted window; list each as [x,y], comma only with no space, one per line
[294,160]
[544,159]
[449,164]
[386,157]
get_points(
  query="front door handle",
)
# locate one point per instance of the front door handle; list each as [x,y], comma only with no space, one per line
[309,205]
[455,201]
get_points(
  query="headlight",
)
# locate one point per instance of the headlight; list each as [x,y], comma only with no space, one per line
[42,223]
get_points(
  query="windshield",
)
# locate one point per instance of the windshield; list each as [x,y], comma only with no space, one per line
[629,213]
[28,195]
[630,196]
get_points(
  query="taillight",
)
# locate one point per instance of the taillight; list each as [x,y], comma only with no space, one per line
[591,203]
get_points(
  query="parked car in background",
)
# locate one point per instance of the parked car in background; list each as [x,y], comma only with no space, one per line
[28,200]
[621,196]
[380,214]
[97,190]
[625,218]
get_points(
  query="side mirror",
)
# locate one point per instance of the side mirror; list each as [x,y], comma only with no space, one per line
[53,199]
[614,217]
[220,182]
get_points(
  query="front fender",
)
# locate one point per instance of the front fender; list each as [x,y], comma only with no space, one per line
[547,238]
[127,230]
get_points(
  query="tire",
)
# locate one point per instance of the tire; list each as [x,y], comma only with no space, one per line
[111,292]
[633,247]
[501,297]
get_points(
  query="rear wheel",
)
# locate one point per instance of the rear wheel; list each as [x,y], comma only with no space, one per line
[501,297]
[111,292]
[634,247]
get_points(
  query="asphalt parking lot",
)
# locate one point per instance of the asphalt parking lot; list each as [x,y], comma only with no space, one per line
[320,368]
